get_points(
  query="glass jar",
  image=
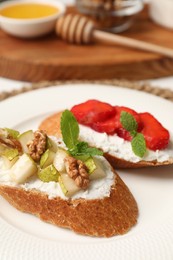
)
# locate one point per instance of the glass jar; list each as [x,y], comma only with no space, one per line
[111,15]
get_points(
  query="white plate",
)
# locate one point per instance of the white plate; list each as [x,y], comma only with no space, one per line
[23,236]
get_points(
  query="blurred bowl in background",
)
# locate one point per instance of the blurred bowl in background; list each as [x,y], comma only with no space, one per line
[30,18]
[161,12]
[111,15]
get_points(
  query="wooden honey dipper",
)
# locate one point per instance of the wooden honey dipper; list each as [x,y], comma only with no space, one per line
[78,29]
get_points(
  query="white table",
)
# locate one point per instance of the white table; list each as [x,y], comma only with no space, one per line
[8,85]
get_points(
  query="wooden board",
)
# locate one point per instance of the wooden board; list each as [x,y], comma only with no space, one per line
[49,58]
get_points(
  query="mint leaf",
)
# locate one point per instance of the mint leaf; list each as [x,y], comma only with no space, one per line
[139,145]
[82,149]
[70,134]
[128,122]
[92,151]
[133,133]
[82,157]
[69,129]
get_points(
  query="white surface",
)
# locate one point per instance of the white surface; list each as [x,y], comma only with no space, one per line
[8,84]
[29,28]
[161,12]
[26,237]
[163,82]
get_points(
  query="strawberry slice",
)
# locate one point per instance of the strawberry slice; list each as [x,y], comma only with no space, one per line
[121,132]
[92,111]
[107,126]
[113,124]
[156,136]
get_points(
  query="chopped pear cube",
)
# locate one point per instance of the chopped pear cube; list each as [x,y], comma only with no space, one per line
[3,133]
[7,163]
[25,138]
[48,174]
[90,164]
[58,162]
[3,148]
[68,185]
[12,132]
[10,156]
[47,158]
[23,169]
[52,145]
[10,153]
[98,173]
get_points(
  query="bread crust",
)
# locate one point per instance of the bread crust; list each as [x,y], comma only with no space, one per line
[51,125]
[105,217]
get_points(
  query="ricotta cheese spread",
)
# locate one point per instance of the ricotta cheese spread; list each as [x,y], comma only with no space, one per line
[120,148]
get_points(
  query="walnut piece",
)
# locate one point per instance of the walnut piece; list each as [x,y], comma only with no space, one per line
[11,143]
[78,171]
[37,146]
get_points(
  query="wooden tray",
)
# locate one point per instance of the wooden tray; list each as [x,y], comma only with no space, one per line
[49,58]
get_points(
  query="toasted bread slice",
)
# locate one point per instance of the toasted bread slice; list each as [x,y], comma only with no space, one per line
[105,217]
[51,126]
